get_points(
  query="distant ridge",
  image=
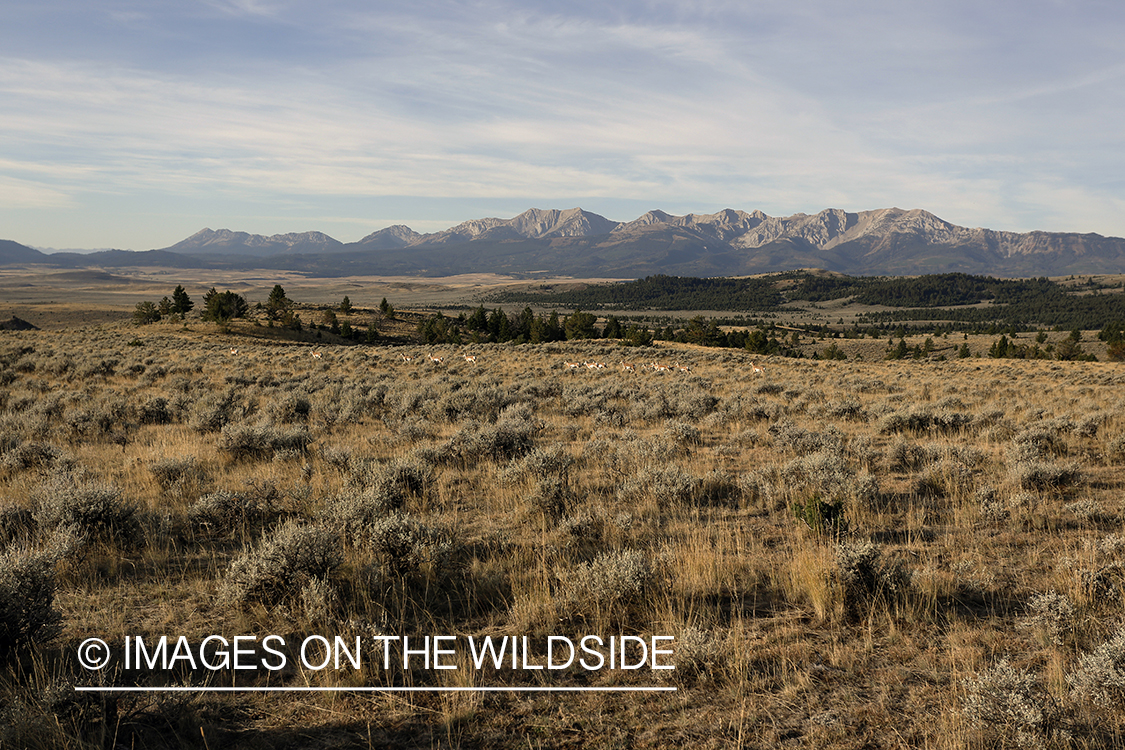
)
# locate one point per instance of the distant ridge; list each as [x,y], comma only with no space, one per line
[575,242]
[12,253]
[226,242]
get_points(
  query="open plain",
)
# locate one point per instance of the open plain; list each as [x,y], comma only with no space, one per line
[848,554]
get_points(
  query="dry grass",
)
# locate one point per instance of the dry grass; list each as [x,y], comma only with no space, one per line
[969,597]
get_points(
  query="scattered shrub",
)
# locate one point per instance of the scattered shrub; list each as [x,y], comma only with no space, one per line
[156,410]
[404,545]
[227,513]
[820,516]
[94,508]
[215,410]
[16,523]
[242,442]
[34,454]
[1007,705]
[27,596]
[665,487]
[282,563]
[1100,677]
[696,657]
[503,441]
[684,433]
[320,602]
[355,513]
[1045,475]
[609,591]
[552,497]
[1051,614]
[866,577]
[170,473]
[1105,584]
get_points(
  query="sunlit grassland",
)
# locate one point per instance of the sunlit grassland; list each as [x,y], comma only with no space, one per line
[956,557]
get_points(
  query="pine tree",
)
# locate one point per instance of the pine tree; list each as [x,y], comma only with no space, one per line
[181,302]
[277,303]
[223,307]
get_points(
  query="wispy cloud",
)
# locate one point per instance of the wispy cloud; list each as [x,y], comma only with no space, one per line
[750,105]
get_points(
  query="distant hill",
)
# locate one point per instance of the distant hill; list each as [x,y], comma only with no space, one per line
[17,324]
[574,242]
[15,253]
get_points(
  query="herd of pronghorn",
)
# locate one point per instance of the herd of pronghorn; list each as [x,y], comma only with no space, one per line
[625,366]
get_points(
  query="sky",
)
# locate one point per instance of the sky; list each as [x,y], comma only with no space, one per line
[135,123]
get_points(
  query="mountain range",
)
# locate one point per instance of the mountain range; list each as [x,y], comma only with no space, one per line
[575,242]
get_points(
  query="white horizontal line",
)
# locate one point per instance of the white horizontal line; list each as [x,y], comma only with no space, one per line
[181,689]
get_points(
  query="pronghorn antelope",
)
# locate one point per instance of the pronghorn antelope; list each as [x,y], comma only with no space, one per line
[407,357]
[572,365]
[628,367]
[435,360]
[657,367]
[316,355]
[757,370]
[591,365]
[470,358]
[233,350]
[681,368]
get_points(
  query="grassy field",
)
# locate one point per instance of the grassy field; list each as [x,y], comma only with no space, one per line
[848,554]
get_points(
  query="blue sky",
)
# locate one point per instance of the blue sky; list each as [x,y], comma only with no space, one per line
[133,124]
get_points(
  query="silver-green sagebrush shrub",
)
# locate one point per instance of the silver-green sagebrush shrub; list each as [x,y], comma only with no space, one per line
[404,545]
[542,463]
[610,590]
[826,472]
[225,513]
[93,507]
[552,497]
[214,410]
[289,409]
[1050,614]
[866,577]
[355,512]
[35,454]
[791,436]
[1044,475]
[156,410]
[993,510]
[1007,704]
[684,433]
[412,473]
[507,439]
[1100,677]
[27,596]
[16,524]
[666,487]
[243,442]
[282,563]
[178,472]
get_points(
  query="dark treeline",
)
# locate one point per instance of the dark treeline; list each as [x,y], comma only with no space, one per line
[933,290]
[663,293]
[485,325]
[1022,303]
[1053,309]
[496,326]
